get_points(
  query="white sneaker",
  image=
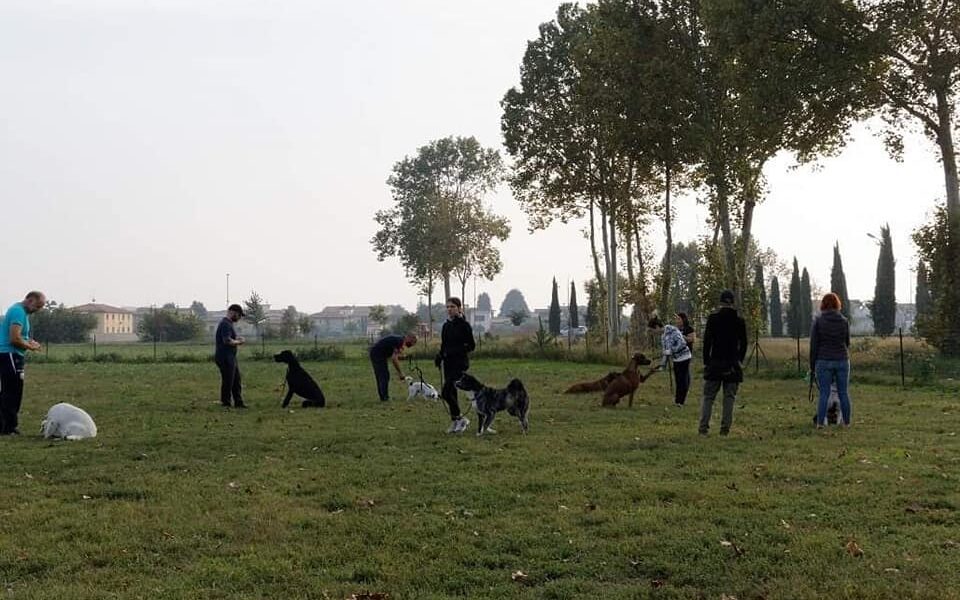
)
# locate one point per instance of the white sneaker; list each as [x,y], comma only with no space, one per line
[490,431]
[460,425]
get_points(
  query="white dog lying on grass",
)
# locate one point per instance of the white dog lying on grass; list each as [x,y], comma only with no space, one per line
[68,422]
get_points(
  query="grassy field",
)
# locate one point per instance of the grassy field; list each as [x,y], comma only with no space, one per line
[178,498]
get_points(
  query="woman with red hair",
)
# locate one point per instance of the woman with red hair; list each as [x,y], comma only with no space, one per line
[829,357]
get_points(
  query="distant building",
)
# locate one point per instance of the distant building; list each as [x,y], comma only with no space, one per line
[338,321]
[480,320]
[113,324]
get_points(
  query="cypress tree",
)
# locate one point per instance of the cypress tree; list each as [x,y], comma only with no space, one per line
[806,304]
[776,309]
[759,285]
[794,310]
[554,317]
[838,282]
[574,316]
[884,307]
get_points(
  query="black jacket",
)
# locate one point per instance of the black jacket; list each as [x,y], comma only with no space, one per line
[456,342]
[829,337]
[724,346]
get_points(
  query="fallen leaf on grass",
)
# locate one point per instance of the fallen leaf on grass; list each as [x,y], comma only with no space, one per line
[233,485]
[366,502]
[726,597]
[657,583]
[85,497]
[891,570]
[518,576]
[785,524]
[562,507]
[914,508]
[28,475]
[854,549]
[590,506]
[737,549]
[369,596]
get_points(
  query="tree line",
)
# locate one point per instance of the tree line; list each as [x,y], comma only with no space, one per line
[623,104]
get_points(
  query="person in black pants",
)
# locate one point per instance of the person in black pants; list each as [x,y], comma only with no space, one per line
[388,348]
[14,343]
[724,349]
[227,342]
[456,342]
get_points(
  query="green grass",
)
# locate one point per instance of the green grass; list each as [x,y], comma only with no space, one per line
[178,498]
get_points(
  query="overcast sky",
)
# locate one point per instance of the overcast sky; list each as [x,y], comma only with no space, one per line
[147,148]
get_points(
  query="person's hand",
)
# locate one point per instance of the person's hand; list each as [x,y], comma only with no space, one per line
[241,340]
[34,345]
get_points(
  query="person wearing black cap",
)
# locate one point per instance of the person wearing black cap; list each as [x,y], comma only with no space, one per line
[227,342]
[724,350]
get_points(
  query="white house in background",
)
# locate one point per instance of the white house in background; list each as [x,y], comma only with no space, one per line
[243,327]
[336,321]
[113,324]
[480,320]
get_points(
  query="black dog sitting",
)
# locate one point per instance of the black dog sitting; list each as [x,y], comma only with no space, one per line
[488,402]
[299,382]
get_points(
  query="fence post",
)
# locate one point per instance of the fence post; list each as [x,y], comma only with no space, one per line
[903,376]
[798,355]
[94,346]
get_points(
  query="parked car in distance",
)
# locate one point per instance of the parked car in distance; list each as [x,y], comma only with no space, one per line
[575,332]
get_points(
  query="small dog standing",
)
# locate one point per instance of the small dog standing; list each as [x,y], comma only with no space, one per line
[627,382]
[300,382]
[418,387]
[66,421]
[488,402]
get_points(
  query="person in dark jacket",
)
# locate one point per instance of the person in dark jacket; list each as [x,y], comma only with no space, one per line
[227,341]
[829,357]
[724,350]
[388,348]
[456,343]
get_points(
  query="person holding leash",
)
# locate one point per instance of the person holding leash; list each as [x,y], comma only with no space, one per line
[226,343]
[388,348]
[14,343]
[724,350]
[456,343]
[829,357]
[675,349]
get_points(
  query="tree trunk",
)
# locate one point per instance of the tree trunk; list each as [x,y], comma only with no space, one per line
[612,284]
[593,249]
[446,284]
[664,303]
[749,203]
[631,280]
[729,252]
[945,141]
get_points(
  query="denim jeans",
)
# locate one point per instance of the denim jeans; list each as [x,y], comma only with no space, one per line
[828,373]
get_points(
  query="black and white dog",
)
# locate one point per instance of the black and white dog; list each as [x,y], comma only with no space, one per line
[299,382]
[488,402]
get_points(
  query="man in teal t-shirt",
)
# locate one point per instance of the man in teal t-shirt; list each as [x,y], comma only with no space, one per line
[14,343]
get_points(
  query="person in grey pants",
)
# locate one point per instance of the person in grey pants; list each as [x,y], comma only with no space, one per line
[724,350]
